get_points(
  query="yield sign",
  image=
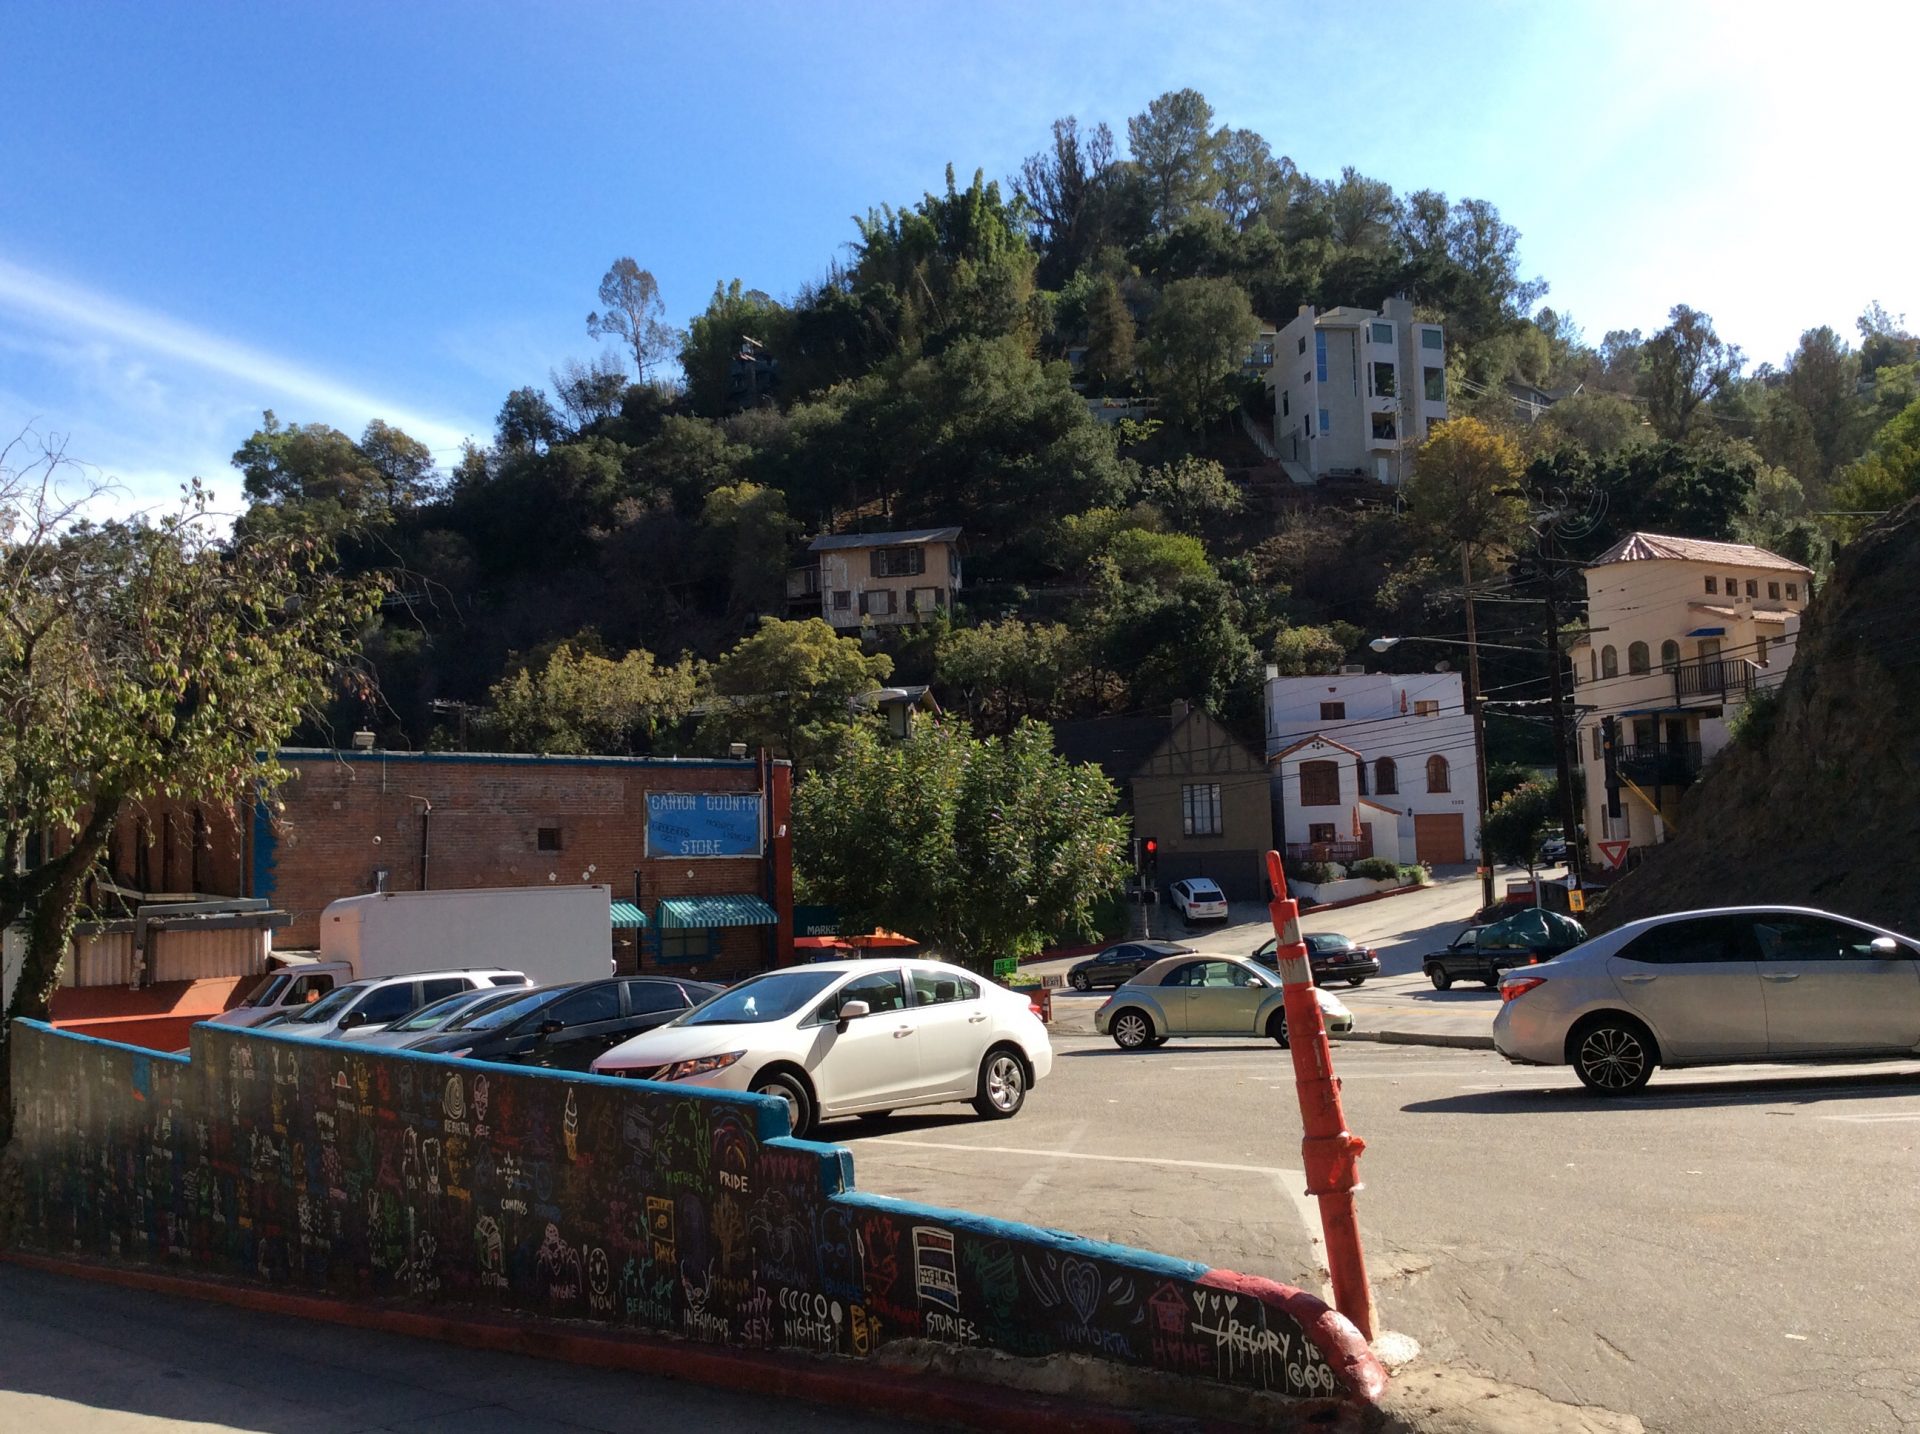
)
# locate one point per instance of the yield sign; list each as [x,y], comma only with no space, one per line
[1612,852]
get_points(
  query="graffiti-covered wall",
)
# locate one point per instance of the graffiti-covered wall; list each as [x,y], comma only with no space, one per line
[382,1174]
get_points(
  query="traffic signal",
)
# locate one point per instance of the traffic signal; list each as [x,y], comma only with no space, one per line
[1152,848]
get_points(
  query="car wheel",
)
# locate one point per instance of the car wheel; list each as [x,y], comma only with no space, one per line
[799,1104]
[1003,1084]
[1277,1028]
[1356,980]
[1158,1041]
[1612,1055]
[1078,980]
[1132,1031]
[1440,977]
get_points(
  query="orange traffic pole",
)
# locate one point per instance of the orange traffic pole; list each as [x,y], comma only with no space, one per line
[1329,1151]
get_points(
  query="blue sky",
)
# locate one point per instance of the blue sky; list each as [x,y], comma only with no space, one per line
[347,210]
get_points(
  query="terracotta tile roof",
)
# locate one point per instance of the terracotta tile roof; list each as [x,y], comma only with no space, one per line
[1644,547]
[1307,741]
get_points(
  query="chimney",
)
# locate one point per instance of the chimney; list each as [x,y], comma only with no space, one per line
[1180,710]
[737,750]
[363,740]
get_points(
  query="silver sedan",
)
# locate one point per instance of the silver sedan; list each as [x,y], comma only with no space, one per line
[1191,995]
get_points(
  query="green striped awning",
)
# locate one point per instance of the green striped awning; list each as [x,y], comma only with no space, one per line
[626,914]
[706,911]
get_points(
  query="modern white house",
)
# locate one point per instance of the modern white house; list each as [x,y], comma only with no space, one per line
[1682,632]
[1361,761]
[1355,391]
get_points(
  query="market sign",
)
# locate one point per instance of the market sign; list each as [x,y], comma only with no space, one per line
[703,824]
[816,921]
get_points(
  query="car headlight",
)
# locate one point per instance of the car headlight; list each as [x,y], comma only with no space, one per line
[701,1065]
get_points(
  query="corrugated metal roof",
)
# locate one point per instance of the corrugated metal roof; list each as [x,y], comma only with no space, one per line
[701,912]
[626,914]
[1645,547]
[883,540]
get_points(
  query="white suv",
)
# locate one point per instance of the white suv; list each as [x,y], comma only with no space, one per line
[1198,899]
[360,1008]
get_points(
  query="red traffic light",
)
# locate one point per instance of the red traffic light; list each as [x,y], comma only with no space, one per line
[1153,846]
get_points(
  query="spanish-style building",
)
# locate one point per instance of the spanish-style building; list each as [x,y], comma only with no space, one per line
[1681,632]
[1374,764]
[861,580]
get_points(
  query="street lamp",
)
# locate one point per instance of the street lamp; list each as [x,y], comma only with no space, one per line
[1477,708]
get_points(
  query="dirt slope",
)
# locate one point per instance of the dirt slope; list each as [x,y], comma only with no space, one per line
[1826,810]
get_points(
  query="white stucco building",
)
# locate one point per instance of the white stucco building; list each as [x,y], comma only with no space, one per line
[1360,759]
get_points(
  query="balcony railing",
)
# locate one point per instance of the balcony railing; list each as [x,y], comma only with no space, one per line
[1346,850]
[1659,764]
[1720,678]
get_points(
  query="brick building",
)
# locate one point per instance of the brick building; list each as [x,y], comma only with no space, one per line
[355,821]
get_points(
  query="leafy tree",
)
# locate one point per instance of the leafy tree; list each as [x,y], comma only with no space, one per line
[1597,422]
[1009,672]
[1889,472]
[1109,363]
[527,421]
[1196,342]
[313,474]
[1191,492]
[1143,558]
[746,533]
[1173,147]
[1001,847]
[1307,651]
[1252,183]
[632,314]
[1517,822]
[791,686]
[1179,638]
[1504,777]
[713,340]
[1822,381]
[141,661]
[1684,366]
[1775,518]
[581,701]
[1464,490]
[1067,190]
[1884,340]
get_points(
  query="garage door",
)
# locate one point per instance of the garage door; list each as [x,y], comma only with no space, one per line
[1440,839]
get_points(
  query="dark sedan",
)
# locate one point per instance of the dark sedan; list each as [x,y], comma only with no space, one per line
[1119,964]
[1486,953]
[1331,956]
[568,1027]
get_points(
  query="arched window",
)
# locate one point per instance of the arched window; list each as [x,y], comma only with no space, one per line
[1437,774]
[1609,662]
[1386,778]
[1669,655]
[1637,657]
[1360,775]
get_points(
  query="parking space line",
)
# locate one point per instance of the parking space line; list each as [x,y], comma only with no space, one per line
[1272,1170]
[1888,1118]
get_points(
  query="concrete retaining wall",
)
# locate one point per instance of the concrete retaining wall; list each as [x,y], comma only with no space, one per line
[374,1174]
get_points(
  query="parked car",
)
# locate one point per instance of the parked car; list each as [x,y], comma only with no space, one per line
[360,1008]
[436,1017]
[1485,953]
[1554,849]
[853,1038]
[567,1027]
[1120,963]
[1749,983]
[1196,898]
[1332,957]
[1198,995]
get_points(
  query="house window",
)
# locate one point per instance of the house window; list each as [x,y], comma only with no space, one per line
[1773,592]
[842,601]
[1319,784]
[1320,354]
[1713,586]
[1430,338]
[547,839]
[684,943]
[1669,655]
[1386,778]
[1200,810]
[1384,381]
[1793,592]
[1429,708]
[1326,421]
[1760,651]
[923,599]
[1303,343]
[1382,333]
[1733,587]
[1360,775]
[1434,380]
[898,562]
[1332,711]
[878,603]
[1753,588]
[1609,662]
[1636,657]
[1383,427]
[1596,744]
[1320,832]
[1286,405]
[1438,774]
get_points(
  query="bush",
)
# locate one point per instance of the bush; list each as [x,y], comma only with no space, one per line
[1314,873]
[1753,723]
[1375,868]
[1415,874]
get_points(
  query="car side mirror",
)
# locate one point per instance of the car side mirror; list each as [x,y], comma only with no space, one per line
[852,1011]
[352,1019]
[1885,947]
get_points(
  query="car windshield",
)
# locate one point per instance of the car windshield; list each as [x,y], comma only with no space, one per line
[265,992]
[329,1005]
[427,1017]
[505,1011]
[765,998]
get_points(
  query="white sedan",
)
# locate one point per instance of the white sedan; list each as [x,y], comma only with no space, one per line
[853,1038]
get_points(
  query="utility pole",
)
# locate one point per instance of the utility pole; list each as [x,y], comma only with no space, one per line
[1556,677]
[1479,724]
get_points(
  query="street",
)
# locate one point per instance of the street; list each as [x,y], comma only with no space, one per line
[1731,1252]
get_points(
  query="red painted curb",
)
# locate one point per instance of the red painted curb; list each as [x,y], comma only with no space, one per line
[1343,1345]
[878,1389]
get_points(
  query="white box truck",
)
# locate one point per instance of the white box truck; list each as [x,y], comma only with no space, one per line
[552,933]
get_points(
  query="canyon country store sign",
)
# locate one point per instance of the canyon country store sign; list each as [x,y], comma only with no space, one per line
[703,824]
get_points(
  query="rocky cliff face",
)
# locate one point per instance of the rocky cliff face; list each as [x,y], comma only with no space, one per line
[1824,809]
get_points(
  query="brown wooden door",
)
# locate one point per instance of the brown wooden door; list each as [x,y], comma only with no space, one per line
[1440,838]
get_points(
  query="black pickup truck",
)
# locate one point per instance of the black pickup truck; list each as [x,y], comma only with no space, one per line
[1486,953]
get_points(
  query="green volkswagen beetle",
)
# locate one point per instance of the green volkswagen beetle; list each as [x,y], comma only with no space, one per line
[1200,995]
